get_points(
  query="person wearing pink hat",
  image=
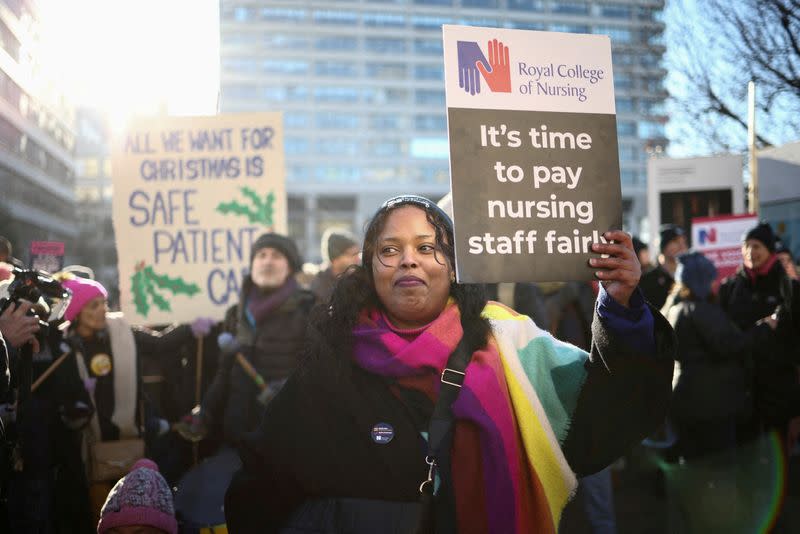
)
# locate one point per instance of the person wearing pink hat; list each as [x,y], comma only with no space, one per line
[140,503]
[109,354]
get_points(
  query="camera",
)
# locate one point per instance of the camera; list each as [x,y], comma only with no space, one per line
[49,298]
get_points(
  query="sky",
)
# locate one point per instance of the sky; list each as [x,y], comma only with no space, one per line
[129,58]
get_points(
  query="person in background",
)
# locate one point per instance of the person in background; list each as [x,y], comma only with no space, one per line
[642,253]
[760,288]
[267,330]
[786,259]
[109,354]
[140,503]
[340,249]
[657,282]
[713,391]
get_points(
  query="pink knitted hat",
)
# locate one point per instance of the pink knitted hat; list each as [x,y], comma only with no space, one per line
[141,498]
[83,290]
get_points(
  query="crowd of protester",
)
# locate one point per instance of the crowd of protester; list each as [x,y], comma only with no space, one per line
[303,377]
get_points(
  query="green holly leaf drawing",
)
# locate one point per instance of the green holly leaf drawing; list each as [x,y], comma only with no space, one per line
[175,285]
[139,291]
[259,212]
[160,302]
[146,286]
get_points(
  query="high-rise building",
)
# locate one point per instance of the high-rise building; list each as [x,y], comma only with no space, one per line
[361,85]
[95,247]
[37,199]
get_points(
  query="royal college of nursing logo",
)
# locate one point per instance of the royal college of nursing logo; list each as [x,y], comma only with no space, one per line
[472,65]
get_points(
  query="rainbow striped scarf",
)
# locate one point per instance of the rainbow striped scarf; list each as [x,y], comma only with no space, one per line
[509,474]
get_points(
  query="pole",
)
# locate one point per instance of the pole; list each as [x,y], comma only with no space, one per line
[752,197]
[198,387]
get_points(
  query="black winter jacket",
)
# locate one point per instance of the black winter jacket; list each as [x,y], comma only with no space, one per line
[273,349]
[715,358]
[314,441]
[775,358]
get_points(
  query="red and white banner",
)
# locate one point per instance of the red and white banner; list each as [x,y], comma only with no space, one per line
[720,239]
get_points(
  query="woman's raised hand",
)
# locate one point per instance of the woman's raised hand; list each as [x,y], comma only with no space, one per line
[620,271]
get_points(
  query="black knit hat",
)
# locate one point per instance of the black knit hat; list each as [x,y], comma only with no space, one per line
[281,243]
[336,241]
[762,232]
[667,233]
[638,245]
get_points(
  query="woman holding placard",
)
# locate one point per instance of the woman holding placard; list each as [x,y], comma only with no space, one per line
[420,404]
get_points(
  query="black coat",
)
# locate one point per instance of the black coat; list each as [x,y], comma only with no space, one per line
[775,359]
[273,349]
[656,285]
[314,441]
[715,357]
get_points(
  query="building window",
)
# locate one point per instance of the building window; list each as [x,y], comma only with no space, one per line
[522,25]
[431,23]
[338,147]
[625,105]
[282,41]
[618,35]
[429,72]
[336,94]
[479,3]
[384,122]
[429,97]
[569,28]
[386,71]
[296,119]
[428,46]
[336,42]
[284,66]
[525,5]
[626,128]
[615,11]
[295,146]
[383,20]
[347,18]
[336,68]
[279,14]
[430,123]
[570,8]
[330,120]
[385,45]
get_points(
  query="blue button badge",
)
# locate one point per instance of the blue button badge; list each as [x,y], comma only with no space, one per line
[382,433]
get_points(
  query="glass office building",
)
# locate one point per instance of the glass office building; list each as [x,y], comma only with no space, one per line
[361,85]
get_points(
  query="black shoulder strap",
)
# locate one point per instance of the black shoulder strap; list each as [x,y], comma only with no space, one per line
[438,513]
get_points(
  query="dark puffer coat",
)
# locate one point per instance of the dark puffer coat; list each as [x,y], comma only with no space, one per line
[273,348]
[746,301]
[715,358]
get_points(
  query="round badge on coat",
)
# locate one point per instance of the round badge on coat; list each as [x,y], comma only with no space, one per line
[100,364]
[382,433]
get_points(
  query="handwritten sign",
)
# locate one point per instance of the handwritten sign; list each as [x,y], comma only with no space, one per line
[191,195]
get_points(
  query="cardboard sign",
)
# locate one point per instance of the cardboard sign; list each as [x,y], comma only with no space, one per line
[47,256]
[720,240]
[534,166]
[191,195]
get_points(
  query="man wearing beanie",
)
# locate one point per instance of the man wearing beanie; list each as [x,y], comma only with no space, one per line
[657,282]
[759,288]
[261,342]
[140,499]
[340,250]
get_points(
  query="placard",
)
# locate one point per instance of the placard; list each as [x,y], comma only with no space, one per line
[534,166]
[191,195]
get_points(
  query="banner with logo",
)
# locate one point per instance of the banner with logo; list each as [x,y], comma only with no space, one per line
[47,256]
[720,239]
[534,167]
[191,195]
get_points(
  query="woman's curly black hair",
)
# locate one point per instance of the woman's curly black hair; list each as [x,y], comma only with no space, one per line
[330,334]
